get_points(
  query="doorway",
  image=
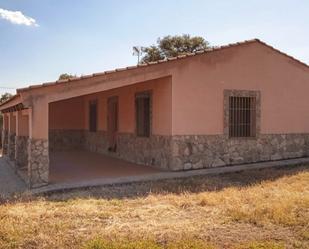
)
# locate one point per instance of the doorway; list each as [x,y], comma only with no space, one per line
[112,123]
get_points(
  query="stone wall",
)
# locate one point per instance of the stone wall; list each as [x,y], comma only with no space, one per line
[60,140]
[11,146]
[187,152]
[154,150]
[195,152]
[21,151]
[96,141]
[5,142]
[38,162]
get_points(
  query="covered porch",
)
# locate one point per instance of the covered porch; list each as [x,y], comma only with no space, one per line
[89,128]
[80,165]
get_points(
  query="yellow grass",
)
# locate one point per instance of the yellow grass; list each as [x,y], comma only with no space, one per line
[256,209]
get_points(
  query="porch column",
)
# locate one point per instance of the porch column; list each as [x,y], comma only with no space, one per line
[38,157]
[11,136]
[5,134]
[21,139]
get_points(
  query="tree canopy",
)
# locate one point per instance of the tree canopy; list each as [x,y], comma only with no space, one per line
[171,46]
[66,76]
[5,97]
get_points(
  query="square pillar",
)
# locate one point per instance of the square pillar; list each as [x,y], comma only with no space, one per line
[21,139]
[38,155]
[5,134]
[11,136]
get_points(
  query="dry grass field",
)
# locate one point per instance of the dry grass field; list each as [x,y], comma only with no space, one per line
[248,210]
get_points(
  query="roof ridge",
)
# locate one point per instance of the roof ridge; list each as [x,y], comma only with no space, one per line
[203,51]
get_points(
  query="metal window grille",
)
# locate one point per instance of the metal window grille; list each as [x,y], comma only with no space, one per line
[242,116]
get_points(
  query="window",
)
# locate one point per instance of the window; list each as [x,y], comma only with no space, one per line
[93,116]
[242,116]
[142,105]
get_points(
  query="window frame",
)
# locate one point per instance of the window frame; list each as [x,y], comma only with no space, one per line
[92,102]
[257,118]
[149,94]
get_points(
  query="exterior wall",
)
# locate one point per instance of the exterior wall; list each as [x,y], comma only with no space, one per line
[11,136]
[21,151]
[161,106]
[5,142]
[38,162]
[66,124]
[205,151]
[21,139]
[67,115]
[61,140]
[4,135]
[11,145]
[153,151]
[198,90]
[96,141]
[200,134]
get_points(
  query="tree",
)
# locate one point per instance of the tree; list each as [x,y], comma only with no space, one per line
[4,97]
[153,53]
[171,46]
[66,76]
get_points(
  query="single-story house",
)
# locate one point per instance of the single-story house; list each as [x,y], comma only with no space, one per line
[236,104]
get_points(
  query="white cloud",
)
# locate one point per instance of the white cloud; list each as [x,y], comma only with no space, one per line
[17,17]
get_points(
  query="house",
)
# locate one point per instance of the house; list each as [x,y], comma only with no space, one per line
[236,104]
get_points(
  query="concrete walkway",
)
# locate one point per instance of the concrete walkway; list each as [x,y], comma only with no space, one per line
[10,183]
[167,175]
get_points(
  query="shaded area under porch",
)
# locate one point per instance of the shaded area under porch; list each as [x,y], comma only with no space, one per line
[81,165]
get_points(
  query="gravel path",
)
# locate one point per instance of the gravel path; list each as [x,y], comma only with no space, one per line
[10,183]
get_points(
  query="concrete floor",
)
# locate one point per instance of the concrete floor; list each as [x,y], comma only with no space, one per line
[74,166]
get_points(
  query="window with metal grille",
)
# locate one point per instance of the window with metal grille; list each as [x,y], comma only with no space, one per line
[93,116]
[142,105]
[242,116]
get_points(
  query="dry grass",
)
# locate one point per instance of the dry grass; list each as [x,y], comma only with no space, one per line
[256,209]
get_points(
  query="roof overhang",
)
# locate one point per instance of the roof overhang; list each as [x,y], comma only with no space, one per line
[12,104]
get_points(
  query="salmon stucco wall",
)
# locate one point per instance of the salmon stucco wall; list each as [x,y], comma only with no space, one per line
[23,125]
[198,87]
[67,115]
[161,106]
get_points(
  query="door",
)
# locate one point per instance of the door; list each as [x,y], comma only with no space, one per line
[112,123]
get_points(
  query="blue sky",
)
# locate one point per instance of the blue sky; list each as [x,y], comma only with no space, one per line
[82,37]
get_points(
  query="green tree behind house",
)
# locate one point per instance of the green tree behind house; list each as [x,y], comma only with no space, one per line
[171,46]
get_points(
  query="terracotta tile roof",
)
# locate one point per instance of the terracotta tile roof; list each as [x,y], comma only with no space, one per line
[10,99]
[158,62]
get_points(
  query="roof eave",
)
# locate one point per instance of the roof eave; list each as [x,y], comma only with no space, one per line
[14,100]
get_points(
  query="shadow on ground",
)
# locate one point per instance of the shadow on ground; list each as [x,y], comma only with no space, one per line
[177,186]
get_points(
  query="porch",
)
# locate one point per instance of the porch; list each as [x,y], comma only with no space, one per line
[81,165]
[119,132]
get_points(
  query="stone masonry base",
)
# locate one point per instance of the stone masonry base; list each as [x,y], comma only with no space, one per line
[11,146]
[21,151]
[189,151]
[153,151]
[5,142]
[38,162]
[195,152]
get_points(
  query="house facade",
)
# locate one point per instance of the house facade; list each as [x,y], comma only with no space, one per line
[242,103]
